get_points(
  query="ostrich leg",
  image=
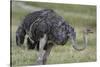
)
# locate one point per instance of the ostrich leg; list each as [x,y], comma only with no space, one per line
[48,48]
[41,50]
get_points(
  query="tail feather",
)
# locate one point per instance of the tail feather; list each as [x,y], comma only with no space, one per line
[20,36]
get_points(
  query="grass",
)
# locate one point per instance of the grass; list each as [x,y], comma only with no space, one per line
[78,16]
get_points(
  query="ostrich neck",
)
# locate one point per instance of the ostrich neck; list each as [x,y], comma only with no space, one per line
[75,43]
[85,39]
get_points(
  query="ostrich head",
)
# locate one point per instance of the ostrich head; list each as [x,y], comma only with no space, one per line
[87,31]
[72,36]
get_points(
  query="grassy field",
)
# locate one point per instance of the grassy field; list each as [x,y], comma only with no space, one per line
[79,16]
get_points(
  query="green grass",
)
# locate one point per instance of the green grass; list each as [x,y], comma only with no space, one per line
[78,16]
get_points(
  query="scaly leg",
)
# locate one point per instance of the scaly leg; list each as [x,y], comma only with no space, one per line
[42,43]
[48,49]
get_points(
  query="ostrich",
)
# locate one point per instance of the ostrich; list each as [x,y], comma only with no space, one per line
[45,28]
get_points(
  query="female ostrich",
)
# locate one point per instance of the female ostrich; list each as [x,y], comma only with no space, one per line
[44,29]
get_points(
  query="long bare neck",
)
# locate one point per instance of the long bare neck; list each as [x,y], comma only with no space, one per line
[85,39]
[75,43]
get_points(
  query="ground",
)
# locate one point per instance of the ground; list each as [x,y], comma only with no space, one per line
[79,16]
